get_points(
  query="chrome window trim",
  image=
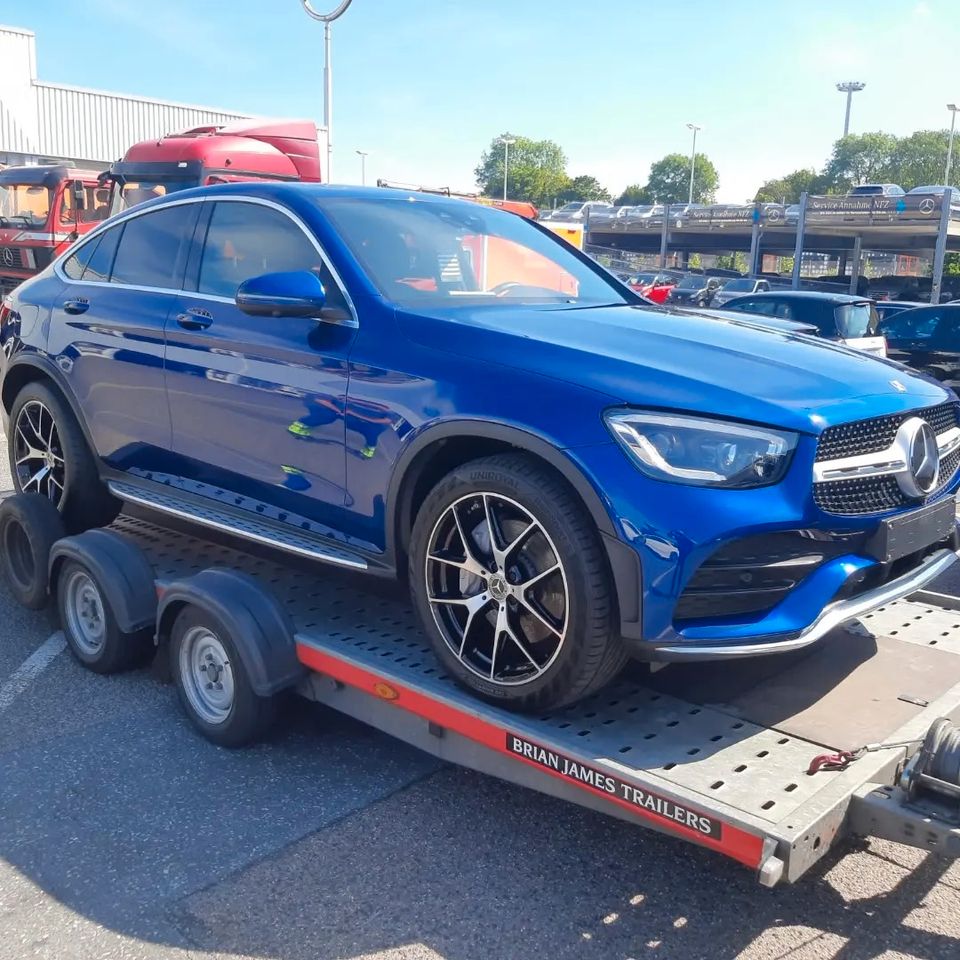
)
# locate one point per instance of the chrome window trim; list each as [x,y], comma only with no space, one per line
[182,291]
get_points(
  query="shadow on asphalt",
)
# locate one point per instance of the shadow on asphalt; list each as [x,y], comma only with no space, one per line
[470,867]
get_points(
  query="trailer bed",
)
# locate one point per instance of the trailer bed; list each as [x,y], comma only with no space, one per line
[713,753]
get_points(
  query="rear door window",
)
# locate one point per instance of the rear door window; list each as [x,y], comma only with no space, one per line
[94,260]
[153,248]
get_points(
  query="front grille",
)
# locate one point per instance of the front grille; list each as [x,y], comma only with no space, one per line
[863,495]
[11,257]
[748,577]
[871,436]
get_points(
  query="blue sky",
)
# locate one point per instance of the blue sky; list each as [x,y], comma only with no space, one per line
[424,84]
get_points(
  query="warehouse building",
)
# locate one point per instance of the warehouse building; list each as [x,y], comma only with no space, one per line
[42,121]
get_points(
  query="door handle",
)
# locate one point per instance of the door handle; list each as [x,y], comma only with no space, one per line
[74,307]
[195,319]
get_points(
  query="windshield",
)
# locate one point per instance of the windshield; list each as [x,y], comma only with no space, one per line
[690,283]
[856,320]
[25,204]
[744,283]
[443,253]
[133,192]
[570,208]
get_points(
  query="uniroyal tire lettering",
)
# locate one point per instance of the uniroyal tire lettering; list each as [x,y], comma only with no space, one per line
[579,773]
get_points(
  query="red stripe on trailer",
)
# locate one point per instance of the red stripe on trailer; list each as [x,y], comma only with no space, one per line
[745,847]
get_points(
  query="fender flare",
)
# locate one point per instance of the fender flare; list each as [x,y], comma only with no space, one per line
[121,570]
[624,562]
[52,372]
[259,626]
[489,430]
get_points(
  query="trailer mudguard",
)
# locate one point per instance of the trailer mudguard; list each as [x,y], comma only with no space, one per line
[119,567]
[259,626]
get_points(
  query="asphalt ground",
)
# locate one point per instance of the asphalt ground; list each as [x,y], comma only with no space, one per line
[124,835]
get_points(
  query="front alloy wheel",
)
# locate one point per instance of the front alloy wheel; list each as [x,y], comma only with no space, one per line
[38,452]
[511,583]
[497,588]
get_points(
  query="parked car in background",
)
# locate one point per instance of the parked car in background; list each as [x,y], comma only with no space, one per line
[694,290]
[846,319]
[653,286]
[876,190]
[577,210]
[890,308]
[936,192]
[738,287]
[928,339]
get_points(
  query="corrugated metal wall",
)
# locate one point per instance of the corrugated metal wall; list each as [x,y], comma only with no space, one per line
[97,126]
[72,123]
[18,111]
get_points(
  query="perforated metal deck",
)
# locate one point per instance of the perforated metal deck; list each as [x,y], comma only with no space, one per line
[706,757]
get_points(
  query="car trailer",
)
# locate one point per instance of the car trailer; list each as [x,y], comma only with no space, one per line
[771,761]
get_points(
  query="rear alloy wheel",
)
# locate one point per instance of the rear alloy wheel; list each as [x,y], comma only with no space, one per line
[512,586]
[49,455]
[38,453]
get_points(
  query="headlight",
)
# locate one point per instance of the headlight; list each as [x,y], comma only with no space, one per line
[702,452]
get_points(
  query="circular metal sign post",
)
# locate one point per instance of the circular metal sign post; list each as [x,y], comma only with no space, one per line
[326,19]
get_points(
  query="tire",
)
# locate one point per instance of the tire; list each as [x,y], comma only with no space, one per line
[29,527]
[90,626]
[561,644]
[72,482]
[238,716]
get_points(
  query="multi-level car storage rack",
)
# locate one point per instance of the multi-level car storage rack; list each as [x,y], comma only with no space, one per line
[720,754]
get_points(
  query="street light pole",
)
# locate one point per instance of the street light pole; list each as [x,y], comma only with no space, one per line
[953,108]
[693,157]
[850,87]
[363,154]
[506,141]
[326,19]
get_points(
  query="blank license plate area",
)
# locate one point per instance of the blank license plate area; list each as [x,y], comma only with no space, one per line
[899,536]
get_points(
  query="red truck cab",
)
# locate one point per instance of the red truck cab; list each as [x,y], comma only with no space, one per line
[43,209]
[247,150]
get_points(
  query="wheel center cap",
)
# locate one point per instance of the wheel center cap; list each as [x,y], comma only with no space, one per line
[498,587]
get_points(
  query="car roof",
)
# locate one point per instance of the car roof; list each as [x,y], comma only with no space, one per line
[809,295]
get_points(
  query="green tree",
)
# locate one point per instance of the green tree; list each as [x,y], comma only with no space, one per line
[633,196]
[920,159]
[584,188]
[536,169]
[669,180]
[861,158]
[788,189]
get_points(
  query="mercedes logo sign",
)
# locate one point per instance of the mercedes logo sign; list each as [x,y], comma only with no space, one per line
[6,255]
[918,444]
[926,205]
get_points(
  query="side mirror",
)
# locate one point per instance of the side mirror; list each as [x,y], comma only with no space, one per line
[297,293]
[79,197]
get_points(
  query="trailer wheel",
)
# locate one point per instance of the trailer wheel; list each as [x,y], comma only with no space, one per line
[90,624]
[212,681]
[29,527]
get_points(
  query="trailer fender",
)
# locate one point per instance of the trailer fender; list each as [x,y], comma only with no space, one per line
[258,624]
[121,570]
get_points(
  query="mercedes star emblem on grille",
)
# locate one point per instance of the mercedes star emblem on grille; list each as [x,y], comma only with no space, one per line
[919,442]
[6,255]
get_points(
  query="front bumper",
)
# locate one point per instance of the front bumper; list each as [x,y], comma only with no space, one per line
[830,617]
[667,540]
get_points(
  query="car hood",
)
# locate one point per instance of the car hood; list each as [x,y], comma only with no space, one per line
[682,360]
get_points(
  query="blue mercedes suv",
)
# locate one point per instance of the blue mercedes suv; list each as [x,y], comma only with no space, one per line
[412,385]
